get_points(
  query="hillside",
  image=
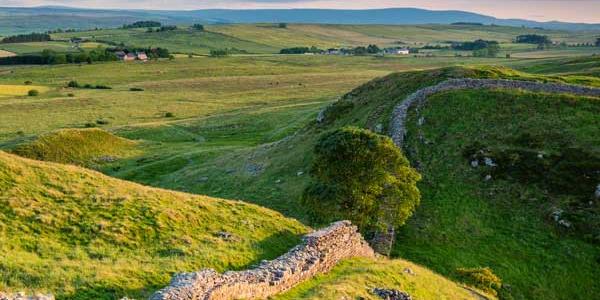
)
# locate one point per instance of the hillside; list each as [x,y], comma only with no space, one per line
[503,224]
[82,235]
[85,147]
[24,20]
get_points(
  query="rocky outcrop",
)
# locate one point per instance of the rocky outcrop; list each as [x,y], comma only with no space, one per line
[397,123]
[23,296]
[319,252]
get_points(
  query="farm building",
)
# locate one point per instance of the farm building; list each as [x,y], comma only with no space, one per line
[396,51]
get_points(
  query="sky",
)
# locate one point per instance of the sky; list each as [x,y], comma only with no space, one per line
[587,11]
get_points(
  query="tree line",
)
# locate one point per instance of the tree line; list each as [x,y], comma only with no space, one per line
[25,38]
[142,24]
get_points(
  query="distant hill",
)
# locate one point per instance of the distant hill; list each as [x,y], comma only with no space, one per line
[19,20]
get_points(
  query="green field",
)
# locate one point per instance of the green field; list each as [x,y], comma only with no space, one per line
[268,38]
[243,127]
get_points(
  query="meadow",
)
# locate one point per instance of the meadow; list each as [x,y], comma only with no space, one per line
[243,127]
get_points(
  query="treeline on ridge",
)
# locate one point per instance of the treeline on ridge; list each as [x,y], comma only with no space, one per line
[25,38]
[142,24]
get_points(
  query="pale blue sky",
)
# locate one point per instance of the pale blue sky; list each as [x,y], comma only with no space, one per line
[541,10]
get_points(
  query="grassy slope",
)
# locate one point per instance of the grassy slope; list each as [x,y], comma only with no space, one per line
[267,38]
[82,235]
[77,146]
[356,278]
[507,245]
[466,222]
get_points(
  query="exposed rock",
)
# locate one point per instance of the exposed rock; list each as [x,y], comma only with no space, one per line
[254,169]
[391,294]
[489,162]
[565,223]
[203,179]
[475,163]
[299,173]
[409,271]
[421,121]
[22,296]
[488,177]
[378,128]
[597,193]
[224,235]
[319,252]
[383,241]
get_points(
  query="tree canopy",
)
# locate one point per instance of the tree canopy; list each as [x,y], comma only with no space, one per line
[361,176]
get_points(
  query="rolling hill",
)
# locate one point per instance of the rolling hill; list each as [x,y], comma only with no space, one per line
[24,20]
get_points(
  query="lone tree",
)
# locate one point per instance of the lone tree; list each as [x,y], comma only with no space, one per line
[198,27]
[361,176]
[282,25]
[598,42]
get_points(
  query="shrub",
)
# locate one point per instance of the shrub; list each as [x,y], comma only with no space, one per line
[136,89]
[481,278]
[89,125]
[169,115]
[102,122]
[219,52]
[282,25]
[103,87]
[28,82]
[73,84]
[33,93]
[377,189]
[71,95]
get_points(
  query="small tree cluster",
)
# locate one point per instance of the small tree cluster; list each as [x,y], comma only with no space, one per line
[143,24]
[361,176]
[300,50]
[198,27]
[533,39]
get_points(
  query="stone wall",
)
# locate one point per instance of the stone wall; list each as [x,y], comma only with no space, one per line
[397,123]
[318,253]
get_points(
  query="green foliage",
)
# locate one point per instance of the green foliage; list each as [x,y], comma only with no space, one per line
[300,50]
[361,176]
[481,278]
[282,25]
[219,53]
[136,89]
[24,38]
[474,46]
[33,93]
[73,84]
[534,39]
[198,27]
[142,24]
[169,115]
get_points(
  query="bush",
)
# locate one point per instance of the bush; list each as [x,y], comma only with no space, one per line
[481,278]
[73,84]
[102,122]
[71,95]
[282,25]
[28,82]
[169,115]
[136,89]
[198,27]
[219,53]
[89,125]
[376,190]
[103,87]
[33,93]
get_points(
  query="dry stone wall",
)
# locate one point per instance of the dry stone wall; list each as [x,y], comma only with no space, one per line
[318,253]
[397,123]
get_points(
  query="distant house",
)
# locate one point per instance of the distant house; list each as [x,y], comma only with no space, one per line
[396,51]
[142,56]
[120,55]
[129,57]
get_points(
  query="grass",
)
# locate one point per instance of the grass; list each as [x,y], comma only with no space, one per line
[83,235]
[356,278]
[19,90]
[85,147]
[267,38]
[244,129]
[465,221]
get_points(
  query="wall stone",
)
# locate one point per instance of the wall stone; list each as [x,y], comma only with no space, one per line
[399,115]
[318,253]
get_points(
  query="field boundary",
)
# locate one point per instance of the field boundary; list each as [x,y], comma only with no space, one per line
[319,252]
[400,113]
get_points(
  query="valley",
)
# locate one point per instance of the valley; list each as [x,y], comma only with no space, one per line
[117,175]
